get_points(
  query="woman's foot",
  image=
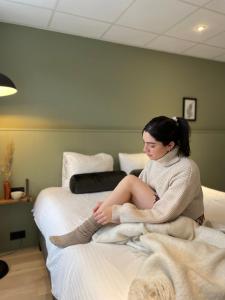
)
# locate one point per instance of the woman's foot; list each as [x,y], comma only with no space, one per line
[81,235]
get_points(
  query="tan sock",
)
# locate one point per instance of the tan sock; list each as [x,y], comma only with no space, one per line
[81,235]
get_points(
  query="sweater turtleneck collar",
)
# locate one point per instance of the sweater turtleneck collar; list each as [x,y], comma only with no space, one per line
[169,158]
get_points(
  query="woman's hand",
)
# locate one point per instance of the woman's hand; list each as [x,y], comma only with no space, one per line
[98,204]
[103,215]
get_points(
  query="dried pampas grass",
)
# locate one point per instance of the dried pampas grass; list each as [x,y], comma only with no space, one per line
[7,161]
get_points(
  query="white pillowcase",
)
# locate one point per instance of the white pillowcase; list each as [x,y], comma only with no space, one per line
[129,162]
[77,163]
[214,205]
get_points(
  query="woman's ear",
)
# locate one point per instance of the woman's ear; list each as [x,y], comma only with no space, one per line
[171,145]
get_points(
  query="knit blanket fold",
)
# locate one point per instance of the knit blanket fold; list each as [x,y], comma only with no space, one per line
[185,261]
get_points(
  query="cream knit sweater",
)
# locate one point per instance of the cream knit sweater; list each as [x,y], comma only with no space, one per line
[176,180]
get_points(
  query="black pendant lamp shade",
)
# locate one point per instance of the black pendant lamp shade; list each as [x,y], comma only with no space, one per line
[7,87]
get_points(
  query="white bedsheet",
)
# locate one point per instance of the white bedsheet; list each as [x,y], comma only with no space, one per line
[73,269]
[94,271]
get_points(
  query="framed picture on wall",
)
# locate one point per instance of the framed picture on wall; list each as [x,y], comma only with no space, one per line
[189,108]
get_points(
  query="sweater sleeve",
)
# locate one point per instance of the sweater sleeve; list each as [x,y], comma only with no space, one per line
[174,201]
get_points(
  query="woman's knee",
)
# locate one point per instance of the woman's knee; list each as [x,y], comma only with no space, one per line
[135,182]
[130,179]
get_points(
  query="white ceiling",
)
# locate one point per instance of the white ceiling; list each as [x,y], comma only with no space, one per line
[165,25]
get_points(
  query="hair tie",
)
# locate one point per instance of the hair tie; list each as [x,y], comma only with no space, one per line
[174,118]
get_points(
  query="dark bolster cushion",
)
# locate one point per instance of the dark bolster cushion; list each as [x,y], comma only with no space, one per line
[136,172]
[95,182]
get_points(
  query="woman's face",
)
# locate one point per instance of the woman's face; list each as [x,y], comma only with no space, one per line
[153,148]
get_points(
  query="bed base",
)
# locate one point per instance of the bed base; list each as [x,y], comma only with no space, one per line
[43,249]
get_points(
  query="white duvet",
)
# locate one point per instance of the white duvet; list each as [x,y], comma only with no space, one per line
[83,272]
[186,261]
[94,271]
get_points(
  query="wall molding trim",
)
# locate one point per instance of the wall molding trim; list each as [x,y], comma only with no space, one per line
[105,130]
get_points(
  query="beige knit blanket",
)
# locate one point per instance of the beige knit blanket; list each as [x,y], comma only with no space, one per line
[185,262]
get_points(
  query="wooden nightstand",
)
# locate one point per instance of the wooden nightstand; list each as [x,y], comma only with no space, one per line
[11,201]
[17,226]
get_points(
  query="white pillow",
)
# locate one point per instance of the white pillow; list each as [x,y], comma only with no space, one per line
[77,163]
[129,162]
[214,205]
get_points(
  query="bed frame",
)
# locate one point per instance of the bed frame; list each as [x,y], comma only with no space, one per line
[43,249]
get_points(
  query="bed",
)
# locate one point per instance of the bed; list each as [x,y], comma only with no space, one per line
[97,270]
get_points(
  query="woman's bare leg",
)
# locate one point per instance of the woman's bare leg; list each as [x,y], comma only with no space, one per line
[130,189]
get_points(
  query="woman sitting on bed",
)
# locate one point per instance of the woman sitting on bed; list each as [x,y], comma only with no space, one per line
[169,185]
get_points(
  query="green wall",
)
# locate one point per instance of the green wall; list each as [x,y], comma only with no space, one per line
[89,96]
[73,82]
